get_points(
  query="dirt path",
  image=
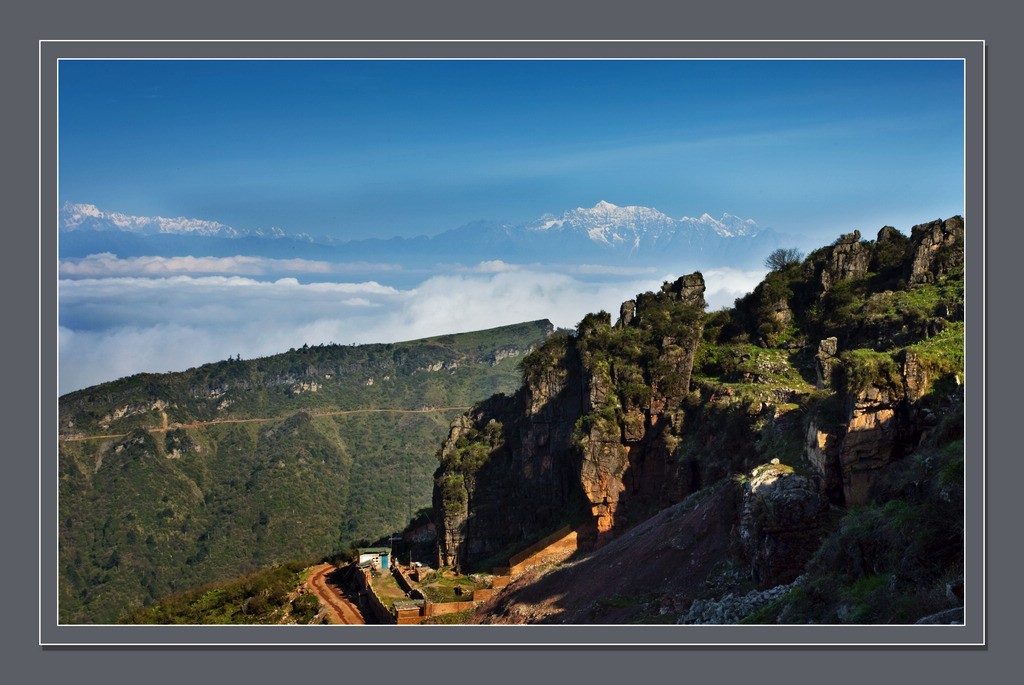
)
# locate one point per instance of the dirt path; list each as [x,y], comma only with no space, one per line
[340,610]
[199,424]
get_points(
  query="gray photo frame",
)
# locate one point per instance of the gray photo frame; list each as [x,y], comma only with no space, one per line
[971,634]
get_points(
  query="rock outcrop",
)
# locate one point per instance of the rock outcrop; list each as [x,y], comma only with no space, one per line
[879,425]
[626,313]
[850,259]
[939,247]
[590,432]
[688,290]
[780,522]
[627,467]
[825,360]
[887,234]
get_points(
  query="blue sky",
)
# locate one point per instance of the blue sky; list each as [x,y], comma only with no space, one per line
[406,147]
[355,149]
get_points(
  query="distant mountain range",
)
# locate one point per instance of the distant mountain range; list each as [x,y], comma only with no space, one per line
[83,217]
[603,234]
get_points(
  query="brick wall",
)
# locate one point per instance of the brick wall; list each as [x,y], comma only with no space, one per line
[447,608]
[407,617]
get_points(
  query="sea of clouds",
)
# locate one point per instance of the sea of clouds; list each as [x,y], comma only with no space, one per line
[119,316]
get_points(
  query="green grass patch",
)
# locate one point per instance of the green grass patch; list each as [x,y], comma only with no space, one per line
[943,354]
[865,368]
[257,598]
[440,589]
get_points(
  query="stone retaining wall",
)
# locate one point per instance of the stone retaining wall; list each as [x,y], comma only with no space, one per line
[373,602]
[403,581]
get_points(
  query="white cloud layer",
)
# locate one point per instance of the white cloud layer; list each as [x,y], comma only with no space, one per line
[113,327]
[106,265]
[724,285]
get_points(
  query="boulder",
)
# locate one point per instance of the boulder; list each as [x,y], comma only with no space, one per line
[780,522]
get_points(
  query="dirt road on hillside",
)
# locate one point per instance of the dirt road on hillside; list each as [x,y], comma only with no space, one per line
[341,610]
[199,424]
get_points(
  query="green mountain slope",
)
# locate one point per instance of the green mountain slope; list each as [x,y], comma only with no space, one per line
[168,481]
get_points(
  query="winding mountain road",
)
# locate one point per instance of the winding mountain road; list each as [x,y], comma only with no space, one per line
[340,610]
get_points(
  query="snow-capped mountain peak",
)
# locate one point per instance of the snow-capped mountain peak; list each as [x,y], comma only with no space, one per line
[75,216]
[729,226]
[608,223]
[89,217]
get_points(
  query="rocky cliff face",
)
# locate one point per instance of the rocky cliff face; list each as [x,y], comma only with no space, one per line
[628,468]
[588,438]
[939,247]
[505,473]
[879,424]
[828,403]
[885,383]
[889,382]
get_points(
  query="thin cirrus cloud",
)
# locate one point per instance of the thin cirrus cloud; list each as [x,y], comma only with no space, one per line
[117,326]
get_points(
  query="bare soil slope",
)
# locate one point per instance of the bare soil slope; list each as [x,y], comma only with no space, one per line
[650,574]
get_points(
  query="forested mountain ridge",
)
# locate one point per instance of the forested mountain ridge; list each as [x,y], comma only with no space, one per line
[233,466]
[407,375]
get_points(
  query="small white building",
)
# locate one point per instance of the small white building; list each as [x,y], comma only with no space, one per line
[374,557]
